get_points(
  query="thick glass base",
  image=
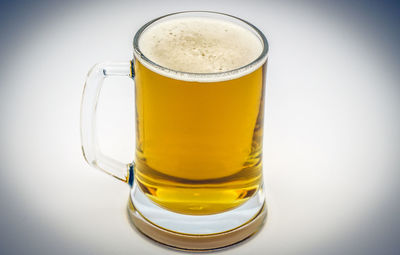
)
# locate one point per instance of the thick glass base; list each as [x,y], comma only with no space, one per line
[196,232]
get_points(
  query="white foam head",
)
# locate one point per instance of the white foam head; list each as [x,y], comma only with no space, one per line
[199,45]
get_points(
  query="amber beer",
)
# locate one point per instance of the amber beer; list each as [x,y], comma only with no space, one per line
[199,142]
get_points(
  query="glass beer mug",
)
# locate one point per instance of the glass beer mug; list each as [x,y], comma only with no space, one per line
[199,85]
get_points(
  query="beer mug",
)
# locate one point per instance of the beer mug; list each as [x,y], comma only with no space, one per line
[199,89]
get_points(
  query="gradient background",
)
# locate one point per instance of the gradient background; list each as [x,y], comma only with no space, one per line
[332,143]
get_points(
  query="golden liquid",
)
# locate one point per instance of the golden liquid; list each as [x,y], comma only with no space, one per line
[199,144]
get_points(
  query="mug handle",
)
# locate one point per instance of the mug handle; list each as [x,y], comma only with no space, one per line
[91,92]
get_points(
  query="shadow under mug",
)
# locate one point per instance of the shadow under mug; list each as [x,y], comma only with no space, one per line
[197,177]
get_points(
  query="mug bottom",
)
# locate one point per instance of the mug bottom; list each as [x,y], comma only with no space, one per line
[196,232]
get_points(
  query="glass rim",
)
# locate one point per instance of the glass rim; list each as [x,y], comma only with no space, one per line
[202,77]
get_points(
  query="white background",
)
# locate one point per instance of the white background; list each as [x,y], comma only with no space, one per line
[331,147]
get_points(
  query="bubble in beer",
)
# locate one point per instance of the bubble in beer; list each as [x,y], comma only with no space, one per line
[200,45]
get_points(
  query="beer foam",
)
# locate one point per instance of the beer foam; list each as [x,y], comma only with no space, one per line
[199,45]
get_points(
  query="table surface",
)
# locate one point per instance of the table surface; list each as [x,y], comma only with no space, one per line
[331,145]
